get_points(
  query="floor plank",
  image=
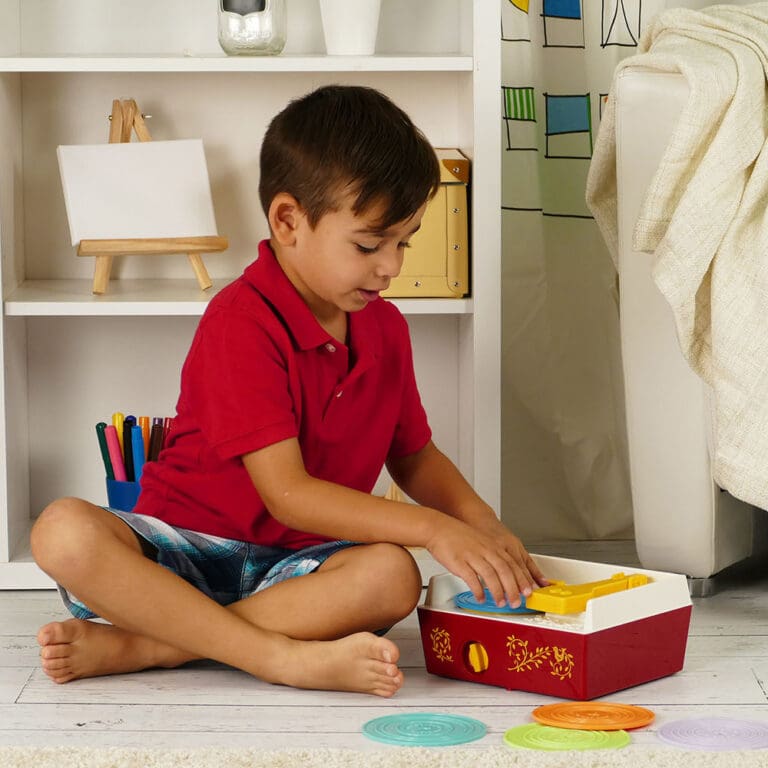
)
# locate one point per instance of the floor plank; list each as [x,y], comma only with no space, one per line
[12,684]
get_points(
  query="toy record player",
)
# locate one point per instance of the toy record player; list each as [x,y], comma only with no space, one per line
[595,630]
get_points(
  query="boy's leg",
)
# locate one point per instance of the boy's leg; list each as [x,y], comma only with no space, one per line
[97,557]
[360,588]
[357,589]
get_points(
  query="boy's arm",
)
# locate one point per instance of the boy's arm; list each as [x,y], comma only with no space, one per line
[430,478]
[300,501]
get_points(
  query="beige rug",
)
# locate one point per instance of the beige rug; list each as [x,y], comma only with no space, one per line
[495,757]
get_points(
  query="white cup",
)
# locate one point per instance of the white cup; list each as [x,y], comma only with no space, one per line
[350,26]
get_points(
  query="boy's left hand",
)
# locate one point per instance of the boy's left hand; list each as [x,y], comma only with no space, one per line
[486,554]
[494,528]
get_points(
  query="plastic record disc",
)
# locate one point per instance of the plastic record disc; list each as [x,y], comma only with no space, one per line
[468,602]
[593,716]
[547,738]
[424,729]
[715,734]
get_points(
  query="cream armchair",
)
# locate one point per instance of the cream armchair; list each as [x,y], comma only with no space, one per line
[683,521]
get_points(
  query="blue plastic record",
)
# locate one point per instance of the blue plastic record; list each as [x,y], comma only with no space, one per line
[424,729]
[467,602]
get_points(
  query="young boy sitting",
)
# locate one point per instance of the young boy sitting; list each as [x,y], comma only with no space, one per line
[256,540]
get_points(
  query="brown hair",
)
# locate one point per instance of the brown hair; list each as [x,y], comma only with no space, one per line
[348,139]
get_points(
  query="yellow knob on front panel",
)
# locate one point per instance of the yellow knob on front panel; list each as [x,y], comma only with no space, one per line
[477,657]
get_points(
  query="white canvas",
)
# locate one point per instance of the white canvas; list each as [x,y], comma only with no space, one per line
[136,190]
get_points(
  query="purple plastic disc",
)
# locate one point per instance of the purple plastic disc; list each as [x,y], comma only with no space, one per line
[715,734]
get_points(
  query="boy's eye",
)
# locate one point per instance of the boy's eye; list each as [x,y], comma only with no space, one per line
[365,249]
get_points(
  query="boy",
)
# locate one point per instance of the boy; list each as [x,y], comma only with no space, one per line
[255,540]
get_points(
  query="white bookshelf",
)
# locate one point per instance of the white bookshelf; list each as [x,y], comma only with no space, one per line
[72,358]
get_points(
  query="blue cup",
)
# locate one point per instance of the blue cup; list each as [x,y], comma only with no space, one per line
[122,495]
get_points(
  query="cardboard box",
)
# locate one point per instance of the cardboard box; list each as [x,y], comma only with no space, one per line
[620,640]
[437,263]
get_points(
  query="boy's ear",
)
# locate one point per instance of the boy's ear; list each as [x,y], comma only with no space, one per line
[285,215]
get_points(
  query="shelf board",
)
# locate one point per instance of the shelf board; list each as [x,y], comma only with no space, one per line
[62,298]
[23,573]
[223,63]
[73,298]
[434,306]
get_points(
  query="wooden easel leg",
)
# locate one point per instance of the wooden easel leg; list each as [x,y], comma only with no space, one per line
[201,273]
[101,274]
[394,493]
[116,122]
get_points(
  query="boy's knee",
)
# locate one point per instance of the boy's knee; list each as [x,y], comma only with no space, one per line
[59,532]
[397,575]
[55,516]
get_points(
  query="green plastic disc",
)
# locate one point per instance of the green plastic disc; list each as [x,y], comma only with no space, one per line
[546,737]
[424,729]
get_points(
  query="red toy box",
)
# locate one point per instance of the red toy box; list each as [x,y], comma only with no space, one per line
[620,640]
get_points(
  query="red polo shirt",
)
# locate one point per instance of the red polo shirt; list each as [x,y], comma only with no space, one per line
[261,369]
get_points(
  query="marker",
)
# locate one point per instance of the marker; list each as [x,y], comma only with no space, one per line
[166,429]
[104,448]
[155,442]
[144,424]
[137,446]
[115,454]
[117,422]
[127,447]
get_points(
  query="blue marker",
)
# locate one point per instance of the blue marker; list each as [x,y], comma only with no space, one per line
[137,447]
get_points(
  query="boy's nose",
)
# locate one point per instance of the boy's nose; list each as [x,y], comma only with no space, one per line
[391,263]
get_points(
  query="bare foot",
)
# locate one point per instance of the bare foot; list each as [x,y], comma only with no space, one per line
[363,662]
[75,648]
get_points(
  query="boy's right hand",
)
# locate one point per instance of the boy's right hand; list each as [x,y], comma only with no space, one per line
[499,562]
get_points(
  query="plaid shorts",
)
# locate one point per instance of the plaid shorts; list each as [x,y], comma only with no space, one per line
[223,569]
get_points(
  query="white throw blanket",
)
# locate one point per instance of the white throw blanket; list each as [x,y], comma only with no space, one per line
[704,218]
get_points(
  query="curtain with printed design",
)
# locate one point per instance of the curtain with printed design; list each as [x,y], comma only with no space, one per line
[564,449]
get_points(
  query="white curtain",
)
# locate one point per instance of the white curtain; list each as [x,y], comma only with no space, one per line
[564,454]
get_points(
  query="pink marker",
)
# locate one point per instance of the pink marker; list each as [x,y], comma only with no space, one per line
[115,454]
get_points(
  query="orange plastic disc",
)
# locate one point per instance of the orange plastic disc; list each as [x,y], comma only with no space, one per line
[593,716]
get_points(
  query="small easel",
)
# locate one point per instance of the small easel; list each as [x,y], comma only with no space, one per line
[394,493]
[125,118]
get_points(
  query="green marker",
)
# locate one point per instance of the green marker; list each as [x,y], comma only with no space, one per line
[100,427]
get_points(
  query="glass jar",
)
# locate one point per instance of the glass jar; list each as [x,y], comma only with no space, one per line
[252,27]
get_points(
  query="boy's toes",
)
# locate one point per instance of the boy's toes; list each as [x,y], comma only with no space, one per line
[45,634]
[389,685]
[54,651]
[386,650]
[55,633]
[55,665]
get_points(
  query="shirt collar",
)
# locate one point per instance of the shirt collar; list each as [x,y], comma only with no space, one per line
[267,277]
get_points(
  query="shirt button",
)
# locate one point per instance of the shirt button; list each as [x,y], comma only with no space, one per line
[340,393]
[330,347]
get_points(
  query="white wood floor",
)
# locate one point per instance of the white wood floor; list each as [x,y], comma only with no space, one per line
[725,674]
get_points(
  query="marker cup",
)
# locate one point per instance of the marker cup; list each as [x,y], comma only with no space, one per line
[122,495]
